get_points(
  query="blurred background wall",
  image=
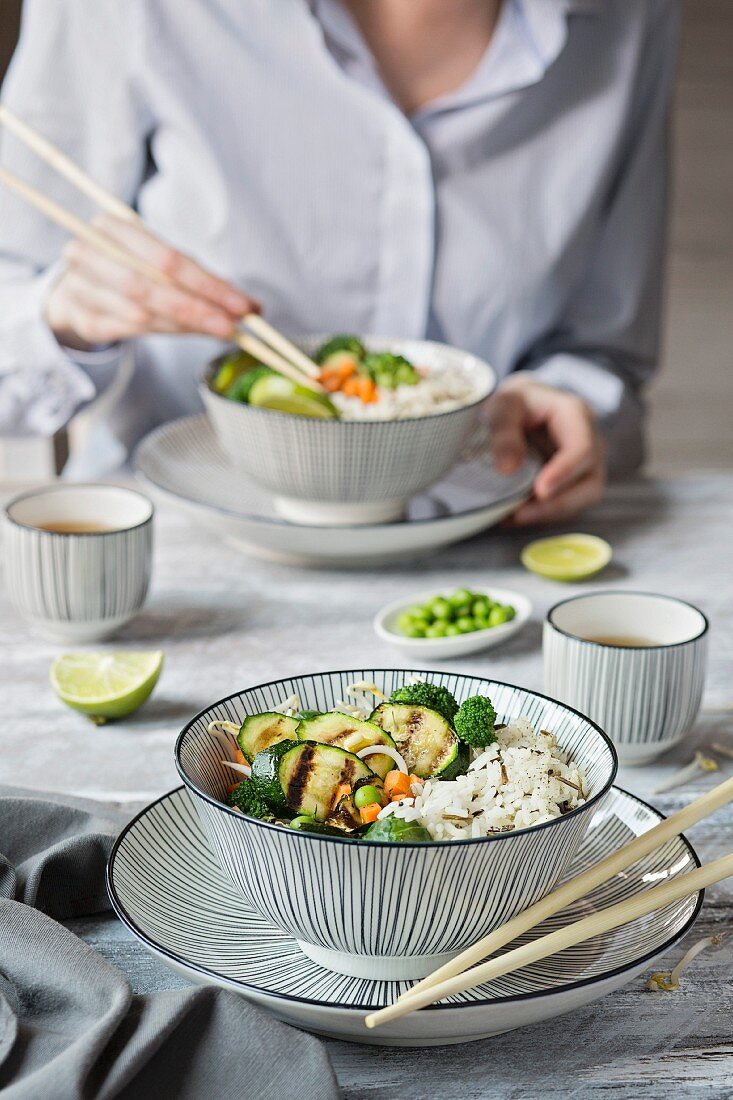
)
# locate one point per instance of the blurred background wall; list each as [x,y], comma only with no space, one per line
[692,401]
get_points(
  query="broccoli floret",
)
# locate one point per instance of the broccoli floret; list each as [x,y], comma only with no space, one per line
[246,798]
[241,387]
[390,370]
[340,343]
[427,695]
[474,722]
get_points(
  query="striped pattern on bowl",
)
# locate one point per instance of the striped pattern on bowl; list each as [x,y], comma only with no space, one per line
[368,909]
[645,698]
[352,462]
[194,916]
[79,586]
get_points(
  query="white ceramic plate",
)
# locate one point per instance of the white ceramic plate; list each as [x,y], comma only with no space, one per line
[385,625]
[166,886]
[183,460]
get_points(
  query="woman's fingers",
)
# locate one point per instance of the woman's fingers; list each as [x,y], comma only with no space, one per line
[182,312]
[572,429]
[184,271]
[506,414]
[567,504]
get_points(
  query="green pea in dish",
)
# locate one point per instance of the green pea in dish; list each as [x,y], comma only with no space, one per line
[461,612]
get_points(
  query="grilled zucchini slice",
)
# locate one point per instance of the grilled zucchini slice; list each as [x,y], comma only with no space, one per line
[424,738]
[259,731]
[306,777]
[335,728]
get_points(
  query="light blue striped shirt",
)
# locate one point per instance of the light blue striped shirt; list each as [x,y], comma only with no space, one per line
[521,217]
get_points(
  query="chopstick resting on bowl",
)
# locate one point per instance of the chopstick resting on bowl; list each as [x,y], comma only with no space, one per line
[263,341]
[605,920]
[422,993]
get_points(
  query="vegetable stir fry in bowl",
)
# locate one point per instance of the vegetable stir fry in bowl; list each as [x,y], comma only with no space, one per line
[455,800]
[393,418]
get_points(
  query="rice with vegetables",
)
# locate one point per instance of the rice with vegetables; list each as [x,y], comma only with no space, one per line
[522,779]
[358,384]
[417,766]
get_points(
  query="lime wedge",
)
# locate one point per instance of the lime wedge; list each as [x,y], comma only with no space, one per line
[567,557]
[279,393]
[105,685]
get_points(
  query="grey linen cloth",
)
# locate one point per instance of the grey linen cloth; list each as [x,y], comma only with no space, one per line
[70,1026]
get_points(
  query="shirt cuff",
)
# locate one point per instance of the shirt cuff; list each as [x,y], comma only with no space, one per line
[43,384]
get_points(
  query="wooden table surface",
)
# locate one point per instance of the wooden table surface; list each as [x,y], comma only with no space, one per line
[225,621]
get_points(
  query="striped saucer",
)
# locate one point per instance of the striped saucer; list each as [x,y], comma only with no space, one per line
[166,886]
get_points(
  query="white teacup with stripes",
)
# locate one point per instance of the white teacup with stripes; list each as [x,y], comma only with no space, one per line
[78,558]
[634,662]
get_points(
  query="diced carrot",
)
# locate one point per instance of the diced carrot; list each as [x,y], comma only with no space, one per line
[350,386]
[342,791]
[239,757]
[370,813]
[330,382]
[233,786]
[367,390]
[416,779]
[396,783]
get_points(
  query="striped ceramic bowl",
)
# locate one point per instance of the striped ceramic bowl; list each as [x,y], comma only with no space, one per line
[392,911]
[348,471]
[646,695]
[78,558]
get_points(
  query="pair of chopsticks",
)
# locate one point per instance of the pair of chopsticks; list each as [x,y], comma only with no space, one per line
[263,341]
[461,974]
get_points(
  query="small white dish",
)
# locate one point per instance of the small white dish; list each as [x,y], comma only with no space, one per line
[180,905]
[385,625]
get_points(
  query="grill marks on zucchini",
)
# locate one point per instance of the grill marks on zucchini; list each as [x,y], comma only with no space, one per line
[352,734]
[259,731]
[424,738]
[306,777]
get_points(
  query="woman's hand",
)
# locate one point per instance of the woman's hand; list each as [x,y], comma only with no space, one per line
[98,301]
[565,428]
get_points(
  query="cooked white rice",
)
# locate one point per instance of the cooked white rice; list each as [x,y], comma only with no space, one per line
[522,779]
[437,392]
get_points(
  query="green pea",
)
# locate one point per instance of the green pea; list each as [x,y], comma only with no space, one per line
[366,795]
[441,609]
[481,607]
[414,612]
[498,616]
[451,630]
[460,597]
[481,622]
[465,624]
[463,612]
[436,630]
[404,622]
[416,630]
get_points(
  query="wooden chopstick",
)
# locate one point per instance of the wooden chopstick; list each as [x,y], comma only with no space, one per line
[66,167]
[273,359]
[577,887]
[79,228]
[595,925]
[261,327]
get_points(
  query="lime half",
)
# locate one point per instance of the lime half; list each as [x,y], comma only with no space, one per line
[279,393]
[105,685]
[567,557]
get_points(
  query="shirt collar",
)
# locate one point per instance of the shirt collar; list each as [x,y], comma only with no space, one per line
[529,37]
